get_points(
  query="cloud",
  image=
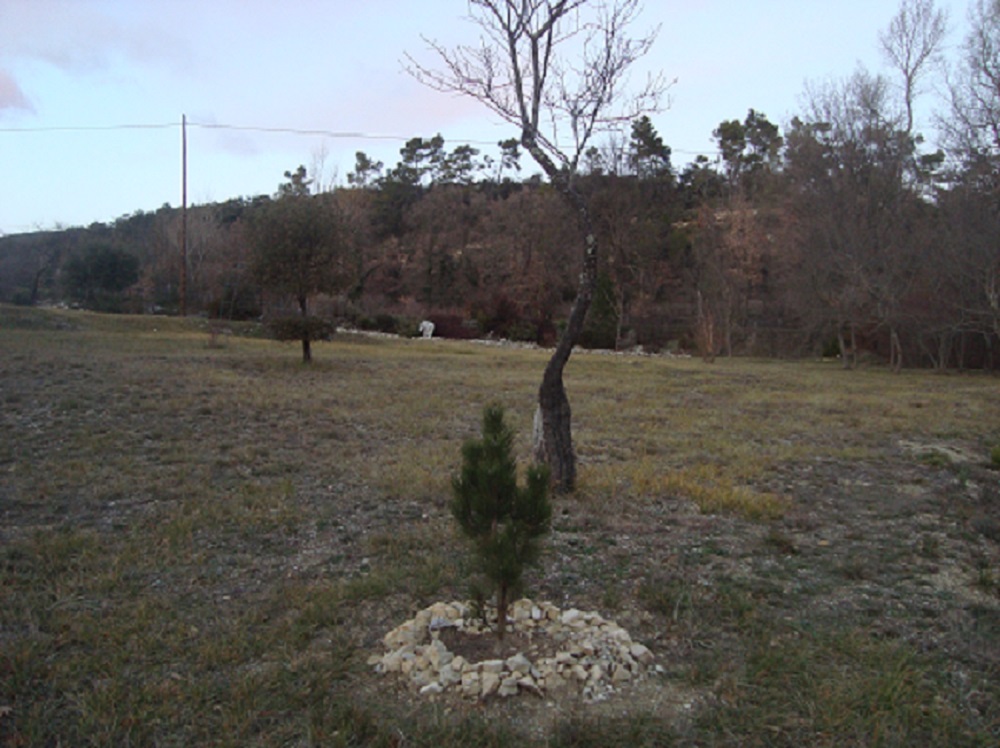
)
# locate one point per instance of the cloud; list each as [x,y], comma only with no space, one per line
[82,37]
[11,95]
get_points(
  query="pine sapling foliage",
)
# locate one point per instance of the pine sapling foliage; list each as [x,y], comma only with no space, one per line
[503,521]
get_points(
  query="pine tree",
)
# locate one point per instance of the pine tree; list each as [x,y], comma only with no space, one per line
[503,521]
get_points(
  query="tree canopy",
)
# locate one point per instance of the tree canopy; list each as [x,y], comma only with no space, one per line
[300,248]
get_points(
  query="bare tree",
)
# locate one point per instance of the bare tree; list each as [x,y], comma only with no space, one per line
[972,126]
[911,43]
[558,70]
[848,166]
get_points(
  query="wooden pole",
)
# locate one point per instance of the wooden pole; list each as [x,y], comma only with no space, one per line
[184,202]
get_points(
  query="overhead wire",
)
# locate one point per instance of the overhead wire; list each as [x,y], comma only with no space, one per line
[338,134]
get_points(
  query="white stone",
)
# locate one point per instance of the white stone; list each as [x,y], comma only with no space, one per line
[392,662]
[439,610]
[402,636]
[449,676]
[508,686]
[565,658]
[618,634]
[519,664]
[571,617]
[470,683]
[594,653]
[438,654]
[491,666]
[421,677]
[491,682]
[641,653]
[621,674]
[530,684]
[520,610]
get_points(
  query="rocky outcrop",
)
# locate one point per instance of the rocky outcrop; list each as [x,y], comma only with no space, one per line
[585,653]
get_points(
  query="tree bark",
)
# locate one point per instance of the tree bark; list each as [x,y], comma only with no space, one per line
[306,342]
[895,351]
[502,603]
[553,435]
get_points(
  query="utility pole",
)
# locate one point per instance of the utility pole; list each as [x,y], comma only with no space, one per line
[184,215]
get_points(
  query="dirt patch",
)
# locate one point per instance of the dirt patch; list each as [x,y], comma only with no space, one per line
[475,647]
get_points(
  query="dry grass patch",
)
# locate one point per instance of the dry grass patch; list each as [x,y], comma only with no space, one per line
[203,544]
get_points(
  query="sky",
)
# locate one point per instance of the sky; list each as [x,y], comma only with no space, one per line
[92,92]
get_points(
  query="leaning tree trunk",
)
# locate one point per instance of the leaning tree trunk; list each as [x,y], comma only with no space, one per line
[553,437]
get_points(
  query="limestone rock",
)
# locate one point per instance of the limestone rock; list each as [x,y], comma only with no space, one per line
[470,683]
[642,654]
[595,657]
[491,682]
[508,686]
[519,664]
[448,676]
[491,666]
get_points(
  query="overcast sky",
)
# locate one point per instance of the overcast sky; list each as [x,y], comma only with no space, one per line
[72,71]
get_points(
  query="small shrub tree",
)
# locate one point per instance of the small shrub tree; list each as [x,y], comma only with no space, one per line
[299,251]
[503,521]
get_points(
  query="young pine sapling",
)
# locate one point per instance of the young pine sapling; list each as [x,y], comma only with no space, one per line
[503,521]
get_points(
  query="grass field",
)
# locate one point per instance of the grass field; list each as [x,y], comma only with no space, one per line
[203,541]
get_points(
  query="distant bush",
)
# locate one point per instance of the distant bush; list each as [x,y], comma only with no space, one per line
[995,456]
[601,327]
[236,303]
[501,317]
[97,277]
[301,328]
[386,323]
[497,316]
[453,326]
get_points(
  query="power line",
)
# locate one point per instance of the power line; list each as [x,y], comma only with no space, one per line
[91,128]
[296,131]
[355,135]
[312,132]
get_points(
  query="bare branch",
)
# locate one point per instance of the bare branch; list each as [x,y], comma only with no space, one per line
[523,70]
[912,42]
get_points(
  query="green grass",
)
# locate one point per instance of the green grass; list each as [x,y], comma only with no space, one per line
[204,541]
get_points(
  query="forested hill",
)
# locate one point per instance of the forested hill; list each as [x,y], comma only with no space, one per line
[837,237]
